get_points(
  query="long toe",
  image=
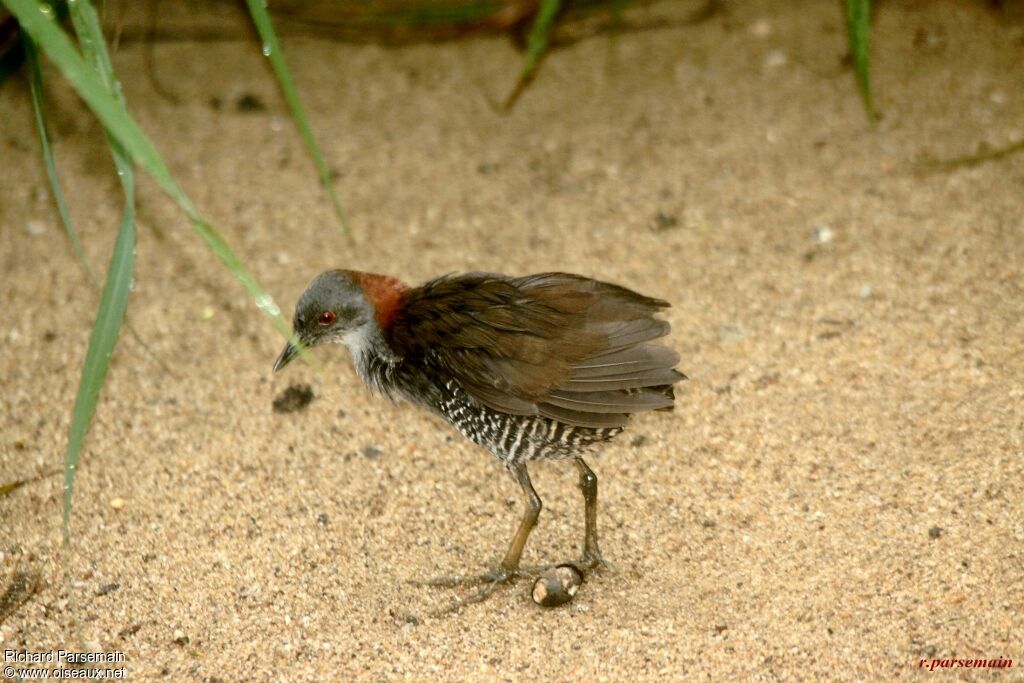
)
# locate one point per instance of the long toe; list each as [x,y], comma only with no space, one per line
[494,576]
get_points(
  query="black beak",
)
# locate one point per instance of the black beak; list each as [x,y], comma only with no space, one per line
[289,352]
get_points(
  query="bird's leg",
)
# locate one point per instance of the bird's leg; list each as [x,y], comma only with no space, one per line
[509,568]
[510,564]
[588,485]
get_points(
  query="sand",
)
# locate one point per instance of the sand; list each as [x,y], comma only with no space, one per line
[837,496]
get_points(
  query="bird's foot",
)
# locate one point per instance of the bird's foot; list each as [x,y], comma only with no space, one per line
[591,561]
[490,580]
[497,575]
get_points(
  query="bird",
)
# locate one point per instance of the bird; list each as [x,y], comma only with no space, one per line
[546,366]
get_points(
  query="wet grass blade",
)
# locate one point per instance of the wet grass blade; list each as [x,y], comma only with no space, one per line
[858,26]
[128,143]
[272,50]
[35,82]
[536,46]
[119,125]
[117,288]
[113,303]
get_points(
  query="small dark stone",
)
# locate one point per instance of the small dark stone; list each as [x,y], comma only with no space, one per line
[935,532]
[708,523]
[372,452]
[49,335]
[149,557]
[108,588]
[322,519]
[130,630]
[664,221]
[249,103]
[294,398]
[180,639]
[720,629]
[557,586]
[638,441]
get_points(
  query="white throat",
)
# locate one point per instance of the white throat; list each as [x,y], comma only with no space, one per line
[371,355]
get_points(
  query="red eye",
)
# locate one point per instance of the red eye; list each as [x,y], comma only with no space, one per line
[326,318]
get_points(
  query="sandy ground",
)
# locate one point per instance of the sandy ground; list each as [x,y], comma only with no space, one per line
[838,495]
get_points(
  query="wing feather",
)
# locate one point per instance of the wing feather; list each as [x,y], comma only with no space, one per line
[553,344]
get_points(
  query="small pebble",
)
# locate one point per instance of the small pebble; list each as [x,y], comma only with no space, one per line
[294,398]
[775,59]
[249,103]
[762,28]
[823,234]
[35,228]
[372,452]
[730,333]
[207,313]
[117,503]
[664,221]
[180,638]
[557,586]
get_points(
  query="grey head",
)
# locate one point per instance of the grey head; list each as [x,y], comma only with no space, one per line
[333,309]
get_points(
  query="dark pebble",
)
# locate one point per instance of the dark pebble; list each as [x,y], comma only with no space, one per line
[108,588]
[372,452]
[935,532]
[249,103]
[557,586]
[294,398]
[664,221]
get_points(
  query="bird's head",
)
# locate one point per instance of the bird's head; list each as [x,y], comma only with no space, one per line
[342,306]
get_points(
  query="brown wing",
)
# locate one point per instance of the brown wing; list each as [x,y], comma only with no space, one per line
[552,344]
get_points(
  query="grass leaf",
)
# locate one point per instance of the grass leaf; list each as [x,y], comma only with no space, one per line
[113,303]
[119,125]
[100,91]
[116,290]
[536,46]
[35,83]
[858,26]
[272,50]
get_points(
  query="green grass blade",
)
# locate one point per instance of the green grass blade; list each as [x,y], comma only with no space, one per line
[113,303]
[272,50]
[102,95]
[536,46]
[38,23]
[35,82]
[858,26]
[119,124]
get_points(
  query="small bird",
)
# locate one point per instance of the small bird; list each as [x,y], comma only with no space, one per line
[541,367]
